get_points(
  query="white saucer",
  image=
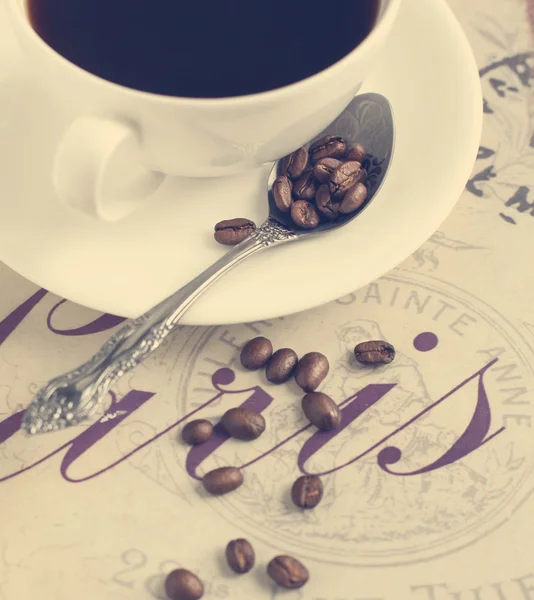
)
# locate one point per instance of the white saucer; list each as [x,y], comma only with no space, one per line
[430,77]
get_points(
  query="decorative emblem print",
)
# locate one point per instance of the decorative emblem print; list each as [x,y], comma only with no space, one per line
[369,516]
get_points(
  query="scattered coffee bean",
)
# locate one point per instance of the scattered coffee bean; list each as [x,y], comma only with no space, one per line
[305,186]
[321,411]
[344,177]
[324,169]
[240,556]
[282,188]
[353,199]
[325,205]
[374,353]
[358,153]
[243,423]
[281,365]
[197,432]
[183,585]
[293,165]
[256,353]
[288,572]
[307,491]
[222,481]
[311,371]
[329,146]
[304,215]
[233,231]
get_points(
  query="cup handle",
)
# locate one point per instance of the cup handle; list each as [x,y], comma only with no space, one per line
[98,169]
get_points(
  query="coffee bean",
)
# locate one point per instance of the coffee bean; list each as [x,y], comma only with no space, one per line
[293,165]
[311,371]
[321,411]
[222,481]
[240,556]
[256,353]
[281,365]
[243,423]
[307,491]
[282,193]
[183,585]
[305,186]
[324,169]
[353,199]
[304,215]
[288,572]
[197,432]
[330,146]
[358,153]
[233,231]
[374,353]
[325,205]
[344,177]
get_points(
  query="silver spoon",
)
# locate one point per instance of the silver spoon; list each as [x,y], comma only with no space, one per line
[71,398]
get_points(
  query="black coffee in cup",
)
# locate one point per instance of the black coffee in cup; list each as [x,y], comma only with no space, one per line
[203,48]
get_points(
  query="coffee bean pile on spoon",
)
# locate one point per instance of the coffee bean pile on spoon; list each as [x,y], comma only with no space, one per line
[324,183]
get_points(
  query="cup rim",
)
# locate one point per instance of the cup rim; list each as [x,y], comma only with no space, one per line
[385,22]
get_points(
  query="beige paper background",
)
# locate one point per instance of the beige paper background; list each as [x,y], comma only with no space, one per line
[463,532]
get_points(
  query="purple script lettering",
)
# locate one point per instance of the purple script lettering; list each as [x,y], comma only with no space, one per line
[86,440]
[366,398]
[475,436]
[102,323]
[8,428]
[117,412]
[14,319]
[258,401]
[353,408]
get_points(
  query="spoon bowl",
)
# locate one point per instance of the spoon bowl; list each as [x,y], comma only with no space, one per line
[367,120]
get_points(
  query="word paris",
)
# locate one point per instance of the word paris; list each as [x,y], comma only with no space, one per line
[477,433]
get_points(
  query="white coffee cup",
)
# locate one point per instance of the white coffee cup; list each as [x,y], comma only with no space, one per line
[124,142]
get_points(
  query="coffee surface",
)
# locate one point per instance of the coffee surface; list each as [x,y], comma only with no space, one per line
[203,48]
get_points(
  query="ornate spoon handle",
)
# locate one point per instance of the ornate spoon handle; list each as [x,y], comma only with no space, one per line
[69,399]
